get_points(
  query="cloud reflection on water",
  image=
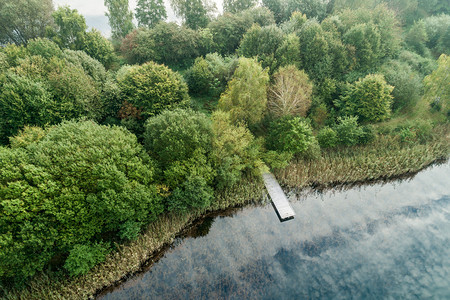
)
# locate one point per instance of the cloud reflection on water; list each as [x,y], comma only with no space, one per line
[381,241]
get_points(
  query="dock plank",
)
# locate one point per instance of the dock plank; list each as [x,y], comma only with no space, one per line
[279,199]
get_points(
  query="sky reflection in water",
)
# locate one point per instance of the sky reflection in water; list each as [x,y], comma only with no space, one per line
[372,242]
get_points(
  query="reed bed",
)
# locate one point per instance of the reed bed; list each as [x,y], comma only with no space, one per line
[383,159]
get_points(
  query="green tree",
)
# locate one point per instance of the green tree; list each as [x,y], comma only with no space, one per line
[278,8]
[290,93]
[363,26]
[290,134]
[150,12]
[193,12]
[263,43]
[235,6]
[98,47]
[120,18]
[78,185]
[246,96]
[166,43]
[181,141]
[177,136]
[369,98]
[234,151]
[23,20]
[23,101]
[227,31]
[416,38]
[314,51]
[348,131]
[437,89]
[154,88]
[211,74]
[407,84]
[70,28]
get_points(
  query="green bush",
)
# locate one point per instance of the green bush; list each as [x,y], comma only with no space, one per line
[83,257]
[177,135]
[369,98]
[327,138]
[276,159]
[290,134]
[193,193]
[199,77]
[211,74]
[234,152]
[407,84]
[368,134]
[348,131]
[77,185]
[417,130]
[153,88]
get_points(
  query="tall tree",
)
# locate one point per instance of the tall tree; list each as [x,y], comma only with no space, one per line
[235,6]
[22,20]
[150,12]
[120,18]
[70,28]
[193,12]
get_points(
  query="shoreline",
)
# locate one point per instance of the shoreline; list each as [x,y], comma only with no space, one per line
[137,256]
[158,254]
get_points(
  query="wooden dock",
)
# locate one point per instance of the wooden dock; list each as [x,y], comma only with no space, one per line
[279,199]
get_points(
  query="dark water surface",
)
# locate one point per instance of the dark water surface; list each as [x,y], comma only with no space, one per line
[386,241]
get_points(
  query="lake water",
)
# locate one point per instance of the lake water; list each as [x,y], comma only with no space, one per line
[379,241]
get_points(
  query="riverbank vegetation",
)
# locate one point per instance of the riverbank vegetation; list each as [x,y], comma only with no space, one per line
[111,147]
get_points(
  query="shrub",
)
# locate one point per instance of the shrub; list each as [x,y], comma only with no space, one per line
[199,77]
[76,185]
[193,193]
[153,88]
[211,74]
[290,94]
[290,134]
[417,130]
[276,159]
[436,85]
[234,151]
[369,99]
[83,257]
[177,135]
[407,84]
[246,96]
[368,134]
[44,47]
[348,131]
[327,138]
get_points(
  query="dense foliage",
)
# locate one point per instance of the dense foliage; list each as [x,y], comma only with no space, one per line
[85,181]
[153,88]
[246,96]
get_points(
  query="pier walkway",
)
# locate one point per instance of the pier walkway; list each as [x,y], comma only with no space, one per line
[279,200]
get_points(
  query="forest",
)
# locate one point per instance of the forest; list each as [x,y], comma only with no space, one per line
[100,137]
